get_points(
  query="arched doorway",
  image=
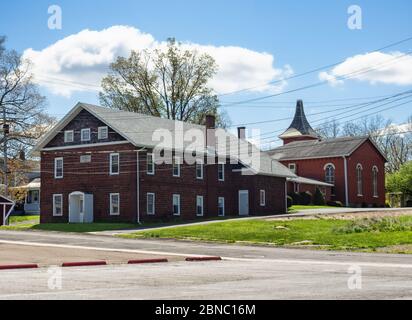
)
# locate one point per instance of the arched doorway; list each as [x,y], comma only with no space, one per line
[80,207]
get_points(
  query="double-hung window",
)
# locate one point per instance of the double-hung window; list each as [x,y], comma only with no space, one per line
[199,169]
[150,164]
[85,134]
[68,136]
[262,198]
[176,166]
[221,171]
[57,205]
[151,203]
[58,168]
[114,204]
[221,206]
[114,164]
[199,206]
[102,133]
[176,204]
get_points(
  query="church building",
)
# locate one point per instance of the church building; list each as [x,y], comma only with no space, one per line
[354,166]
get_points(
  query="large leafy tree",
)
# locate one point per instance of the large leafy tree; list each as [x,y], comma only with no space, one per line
[401,181]
[22,116]
[171,82]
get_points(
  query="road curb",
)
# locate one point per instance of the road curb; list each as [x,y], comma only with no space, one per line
[18,266]
[84,264]
[192,259]
[140,261]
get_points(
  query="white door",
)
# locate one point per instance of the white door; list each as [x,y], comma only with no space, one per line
[243,202]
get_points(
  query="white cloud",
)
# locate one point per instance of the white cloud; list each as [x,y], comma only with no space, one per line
[376,67]
[78,62]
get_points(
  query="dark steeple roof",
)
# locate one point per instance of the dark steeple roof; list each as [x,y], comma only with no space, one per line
[300,125]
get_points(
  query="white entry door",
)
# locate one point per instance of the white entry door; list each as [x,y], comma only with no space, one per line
[243,202]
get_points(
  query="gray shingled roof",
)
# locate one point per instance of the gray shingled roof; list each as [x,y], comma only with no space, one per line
[300,125]
[314,182]
[138,129]
[317,149]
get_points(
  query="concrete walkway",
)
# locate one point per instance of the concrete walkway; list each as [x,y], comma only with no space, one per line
[301,213]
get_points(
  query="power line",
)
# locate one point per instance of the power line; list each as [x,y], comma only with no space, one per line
[310,71]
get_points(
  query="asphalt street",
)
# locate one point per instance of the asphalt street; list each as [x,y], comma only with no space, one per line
[247,272]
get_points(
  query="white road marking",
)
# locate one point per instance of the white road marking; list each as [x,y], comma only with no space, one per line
[65,246]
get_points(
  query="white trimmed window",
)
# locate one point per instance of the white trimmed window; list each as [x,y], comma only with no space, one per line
[58,168]
[114,164]
[150,164]
[57,205]
[199,169]
[199,206]
[221,171]
[102,133]
[176,204]
[176,166]
[68,136]
[221,206]
[85,134]
[114,204]
[359,179]
[292,167]
[262,197]
[375,173]
[151,207]
[330,175]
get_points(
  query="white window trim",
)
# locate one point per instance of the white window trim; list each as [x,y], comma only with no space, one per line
[173,203]
[218,201]
[81,134]
[262,203]
[111,162]
[118,204]
[202,202]
[222,165]
[151,173]
[55,168]
[99,133]
[176,160]
[199,162]
[54,205]
[65,136]
[147,204]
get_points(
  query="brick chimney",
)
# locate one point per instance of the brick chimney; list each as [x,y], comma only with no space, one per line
[241,133]
[210,121]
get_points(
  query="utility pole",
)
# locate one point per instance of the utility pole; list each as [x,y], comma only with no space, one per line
[6,131]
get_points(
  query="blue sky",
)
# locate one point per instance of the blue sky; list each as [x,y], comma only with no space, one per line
[301,34]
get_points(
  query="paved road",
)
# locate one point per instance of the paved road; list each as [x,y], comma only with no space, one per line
[248,272]
[211,280]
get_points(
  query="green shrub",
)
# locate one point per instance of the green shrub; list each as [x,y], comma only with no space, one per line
[335,203]
[296,198]
[290,201]
[318,198]
[305,198]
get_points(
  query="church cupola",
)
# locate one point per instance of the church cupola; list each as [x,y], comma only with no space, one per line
[300,128]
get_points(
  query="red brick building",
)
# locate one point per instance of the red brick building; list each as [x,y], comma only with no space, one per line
[99,164]
[353,165]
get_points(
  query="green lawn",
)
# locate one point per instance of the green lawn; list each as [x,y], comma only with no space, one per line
[321,233]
